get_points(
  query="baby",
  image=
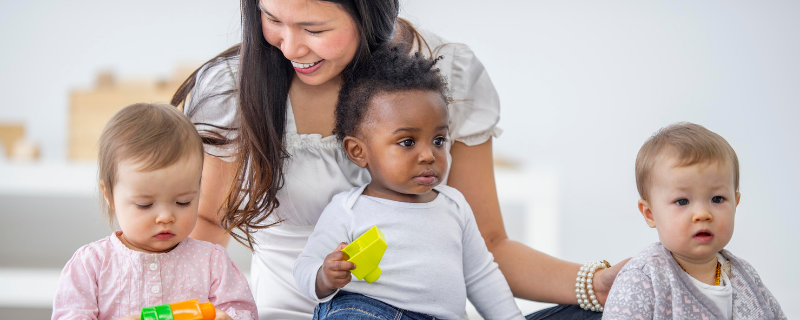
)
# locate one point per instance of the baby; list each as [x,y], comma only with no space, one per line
[392,119]
[150,163]
[688,181]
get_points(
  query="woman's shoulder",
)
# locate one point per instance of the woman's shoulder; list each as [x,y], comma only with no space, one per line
[221,69]
[216,81]
[475,108]
[454,57]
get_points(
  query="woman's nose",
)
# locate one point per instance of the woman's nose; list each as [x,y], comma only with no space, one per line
[293,46]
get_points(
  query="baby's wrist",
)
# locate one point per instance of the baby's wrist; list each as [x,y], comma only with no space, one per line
[320,286]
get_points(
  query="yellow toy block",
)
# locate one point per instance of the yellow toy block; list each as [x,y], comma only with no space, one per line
[366,253]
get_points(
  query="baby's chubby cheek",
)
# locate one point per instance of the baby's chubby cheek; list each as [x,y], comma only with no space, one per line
[670,238]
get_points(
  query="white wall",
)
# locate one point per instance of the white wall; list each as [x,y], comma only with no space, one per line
[583,84]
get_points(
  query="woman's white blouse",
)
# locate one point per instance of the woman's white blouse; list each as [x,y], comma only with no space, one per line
[318,169]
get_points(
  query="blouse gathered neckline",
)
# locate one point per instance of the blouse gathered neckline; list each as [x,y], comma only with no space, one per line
[296,140]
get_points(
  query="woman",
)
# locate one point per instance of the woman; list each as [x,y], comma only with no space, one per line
[266,112]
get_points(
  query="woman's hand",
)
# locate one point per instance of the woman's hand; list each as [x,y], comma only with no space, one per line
[604,278]
[334,273]
[221,315]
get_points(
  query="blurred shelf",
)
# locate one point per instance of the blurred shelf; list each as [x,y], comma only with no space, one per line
[48,178]
[28,288]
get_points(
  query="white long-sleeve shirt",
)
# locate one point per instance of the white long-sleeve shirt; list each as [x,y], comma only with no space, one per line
[435,260]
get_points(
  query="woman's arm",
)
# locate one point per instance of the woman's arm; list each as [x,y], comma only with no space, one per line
[531,274]
[217,176]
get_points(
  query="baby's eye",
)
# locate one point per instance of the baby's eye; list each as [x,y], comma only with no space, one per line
[407,143]
[144,206]
[439,141]
[717,199]
[184,204]
[682,202]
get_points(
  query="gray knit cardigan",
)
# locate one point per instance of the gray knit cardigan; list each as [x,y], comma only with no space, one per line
[653,286]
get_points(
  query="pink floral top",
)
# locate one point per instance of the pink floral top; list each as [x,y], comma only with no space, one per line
[106,280]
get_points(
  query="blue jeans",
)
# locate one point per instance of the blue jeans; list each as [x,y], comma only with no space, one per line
[348,305]
[563,311]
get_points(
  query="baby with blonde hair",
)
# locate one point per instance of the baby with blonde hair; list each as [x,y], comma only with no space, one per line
[150,163]
[688,181]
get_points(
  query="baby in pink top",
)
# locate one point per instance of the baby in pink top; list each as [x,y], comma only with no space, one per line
[150,163]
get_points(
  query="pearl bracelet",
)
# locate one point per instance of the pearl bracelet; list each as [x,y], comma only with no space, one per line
[584,290]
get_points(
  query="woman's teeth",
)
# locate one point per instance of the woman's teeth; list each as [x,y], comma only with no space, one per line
[304,65]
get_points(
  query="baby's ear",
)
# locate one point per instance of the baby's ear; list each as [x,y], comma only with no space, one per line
[738,197]
[104,191]
[644,208]
[355,150]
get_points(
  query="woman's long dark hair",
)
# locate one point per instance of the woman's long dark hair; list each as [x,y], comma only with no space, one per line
[265,76]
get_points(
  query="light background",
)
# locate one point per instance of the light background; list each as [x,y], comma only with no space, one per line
[582,85]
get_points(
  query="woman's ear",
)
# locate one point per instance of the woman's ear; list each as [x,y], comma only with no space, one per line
[644,208]
[355,150]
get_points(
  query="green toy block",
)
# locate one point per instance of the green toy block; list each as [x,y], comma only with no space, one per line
[162,312]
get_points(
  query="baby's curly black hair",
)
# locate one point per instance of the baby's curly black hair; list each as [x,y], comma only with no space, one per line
[388,70]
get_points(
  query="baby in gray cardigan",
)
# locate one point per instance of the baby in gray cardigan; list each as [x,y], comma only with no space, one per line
[688,181]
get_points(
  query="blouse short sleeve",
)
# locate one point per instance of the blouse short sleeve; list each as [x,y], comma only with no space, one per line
[475,109]
[212,106]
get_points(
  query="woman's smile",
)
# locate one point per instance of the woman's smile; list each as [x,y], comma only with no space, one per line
[307,68]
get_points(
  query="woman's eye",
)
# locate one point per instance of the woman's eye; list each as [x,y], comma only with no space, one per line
[144,206]
[314,32]
[439,141]
[407,143]
[682,202]
[717,199]
[184,204]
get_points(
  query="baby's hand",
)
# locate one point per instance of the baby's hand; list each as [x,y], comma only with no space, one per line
[334,272]
[130,317]
[221,315]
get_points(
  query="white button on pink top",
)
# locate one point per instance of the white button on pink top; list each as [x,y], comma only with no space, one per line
[154,289]
[153,266]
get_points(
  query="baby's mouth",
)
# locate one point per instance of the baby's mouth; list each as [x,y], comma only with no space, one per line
[164,235]
[704,236]
[427,177]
